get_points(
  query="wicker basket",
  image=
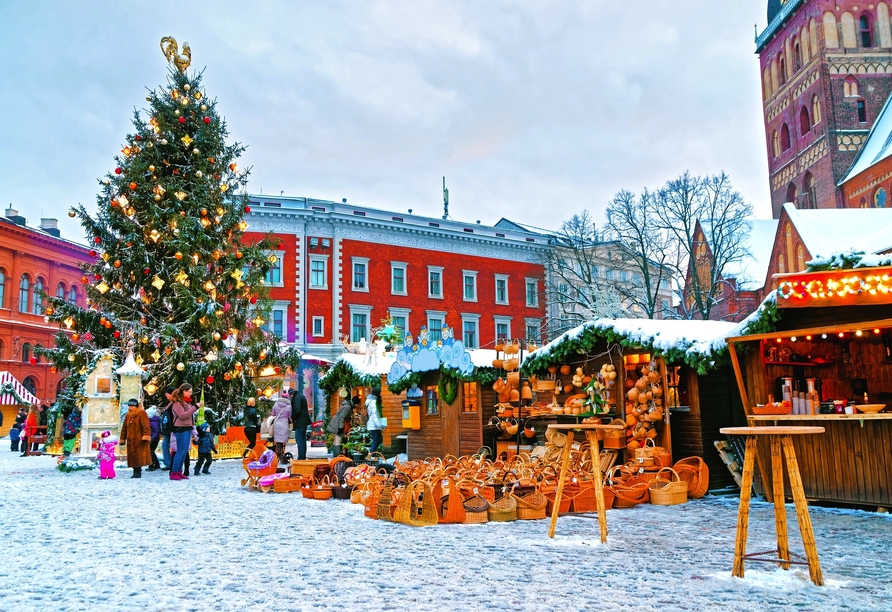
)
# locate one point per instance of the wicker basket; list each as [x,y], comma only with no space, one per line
[666,491]
[321,493]
[288,485]
[773,409]
[416,506]
[503,510]
[585,500]
[695,472]
[531,507]
[306,488]
[304,468]
[476,510]
[629,496]
[343,491]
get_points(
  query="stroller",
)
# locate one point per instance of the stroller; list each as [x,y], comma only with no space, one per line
[260,462]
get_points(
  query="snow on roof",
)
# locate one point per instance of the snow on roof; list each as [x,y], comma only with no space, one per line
[130,367]
[358,363]
[878,145]
[831,230]
[751,271]
[698,340]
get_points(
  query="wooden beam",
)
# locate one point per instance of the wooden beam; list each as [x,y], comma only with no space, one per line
[826,329]
[735,362]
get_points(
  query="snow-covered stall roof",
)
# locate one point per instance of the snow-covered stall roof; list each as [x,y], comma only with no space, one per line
[831,230]
[697,343]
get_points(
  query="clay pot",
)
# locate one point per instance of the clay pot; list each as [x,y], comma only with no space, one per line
[565,369]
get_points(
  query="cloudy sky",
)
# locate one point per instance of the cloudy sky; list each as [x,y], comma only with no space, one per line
[532,109]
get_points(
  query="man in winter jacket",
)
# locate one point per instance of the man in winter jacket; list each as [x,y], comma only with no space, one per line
[300,416]
[155,427]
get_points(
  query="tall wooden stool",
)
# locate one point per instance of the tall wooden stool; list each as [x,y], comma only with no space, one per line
[591,433]
[778,437]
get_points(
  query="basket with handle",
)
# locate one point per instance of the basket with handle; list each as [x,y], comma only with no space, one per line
[548,488]
[416,506]
[530,507]
[386,502]
[629,496]
[668,491]
[503,510]
[342,491]
[695,472]
[476,509]
[448,501]
[306,489]
[369,498]
[322,489]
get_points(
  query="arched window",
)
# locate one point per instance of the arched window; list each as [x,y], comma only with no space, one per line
[863,202]
[780,263]
[815,110]
[866,32]
[72,295]
[782,70]
[850,87]
[879,198]
[766,82]
[792,193]
[2,287]
[809,197]
[775,144]
[797,55]
[2,350]
[30,384]
[24,293]
[800,258]
[60,290]
[26,353]
[785,137]
[804,121]
[37,300]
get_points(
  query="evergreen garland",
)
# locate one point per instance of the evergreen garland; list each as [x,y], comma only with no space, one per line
[448,385]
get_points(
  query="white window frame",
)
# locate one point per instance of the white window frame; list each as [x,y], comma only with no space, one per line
[537,323]
[464,276]
[362,261]
[281,265]
[321,322]
[438,270]
[501,277]
[435,314]
[324,259]
[497,320]
[282,306]
[526,288]
[401,312]
[367,311]
[399,265]
[470,318]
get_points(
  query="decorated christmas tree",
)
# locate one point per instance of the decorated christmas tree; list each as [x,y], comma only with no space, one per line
[174,278]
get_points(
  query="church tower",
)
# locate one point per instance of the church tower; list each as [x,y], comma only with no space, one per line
[826,73]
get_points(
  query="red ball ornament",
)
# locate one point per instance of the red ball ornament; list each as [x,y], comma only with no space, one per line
[176,171]
[138,137]
[146,271]
[97,276]
[97,240]
[117,334]
[33,361]
[92,253]
[224,335]
[182,120]
[278,370]
[118,171]
[247,209]
[133,186]
[253,300]
[207,119]
[209,380]
[85,280]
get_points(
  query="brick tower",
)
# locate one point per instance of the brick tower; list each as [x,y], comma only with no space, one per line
[826,70]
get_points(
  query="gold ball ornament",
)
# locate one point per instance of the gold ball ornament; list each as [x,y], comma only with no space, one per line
[72,214]
[220,210]
[164,141]
[204,212]
[187,87]
[238,365]
[178,255]
[195,151]
[151,168]
[217,335]
[150,145]
[204,107]
[181,366]
[198,174]
[176,112]
[71,357]
[156,197]
[238,255]
[226,376]
[144,339]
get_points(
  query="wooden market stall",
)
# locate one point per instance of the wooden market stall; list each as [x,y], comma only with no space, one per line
[830,340]
[696,389]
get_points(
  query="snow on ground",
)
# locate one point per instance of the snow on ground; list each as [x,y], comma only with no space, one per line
[74,542]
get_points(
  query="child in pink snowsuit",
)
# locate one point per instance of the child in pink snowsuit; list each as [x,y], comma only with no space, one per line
[107,455]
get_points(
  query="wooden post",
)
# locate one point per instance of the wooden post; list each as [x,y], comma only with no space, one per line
[565,463]
[735,362]
[743,513]
[599,488]
[780,511]
[808,536]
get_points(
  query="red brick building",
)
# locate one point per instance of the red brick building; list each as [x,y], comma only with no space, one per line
[826,70]
[33,259]
[343,268]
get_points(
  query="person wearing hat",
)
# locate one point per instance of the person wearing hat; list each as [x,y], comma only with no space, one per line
[136,436]
[167,428]
[339,421]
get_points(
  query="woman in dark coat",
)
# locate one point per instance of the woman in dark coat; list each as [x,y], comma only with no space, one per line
[136,436]
[300,416]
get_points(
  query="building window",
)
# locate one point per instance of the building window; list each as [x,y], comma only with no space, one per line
[866,33]
[26,353]
[849,88]
[664,306]
[800,258]
[72,294]
[24,293]
[37,300]
[400,319]
[469,334]
[318,327]
[775,143]
[434,282]
[277,325]
[398,278]
[815,110]
[503,328]
[2,287]
[318,272]
[533,292]
[804,121]
[360,274]
[608,273]
[782,72]
[797,55]
[623,276]
[30,384]
[470,286]
[532,331]
[862,112]
[470,400]
[273,278]
[879,198]
[785,138]
[435,321]
[781,268]
[359,327]
[501,289]
[60,291]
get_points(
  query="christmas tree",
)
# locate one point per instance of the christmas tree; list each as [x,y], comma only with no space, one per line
[174,279]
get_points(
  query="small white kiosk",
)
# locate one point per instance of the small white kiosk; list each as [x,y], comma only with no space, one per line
[102,405]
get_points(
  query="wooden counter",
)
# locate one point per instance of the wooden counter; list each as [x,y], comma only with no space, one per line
[865,416]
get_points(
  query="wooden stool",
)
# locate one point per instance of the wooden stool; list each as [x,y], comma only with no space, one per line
[778,437]
[590,430]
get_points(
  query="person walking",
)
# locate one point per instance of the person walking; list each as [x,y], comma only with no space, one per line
[167,428]
[106,455]
[205,447]
[14,434]
[70,427]
[281,413]
[338,422]
[32,421]
[136,435]
[183,409]
[155,427]
[374,423]
[252,422]
[300,416]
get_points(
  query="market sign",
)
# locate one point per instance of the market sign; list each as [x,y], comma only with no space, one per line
[427,353]
[859,286]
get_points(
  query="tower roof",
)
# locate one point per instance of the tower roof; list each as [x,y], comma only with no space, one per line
[774,7]
[778,12]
